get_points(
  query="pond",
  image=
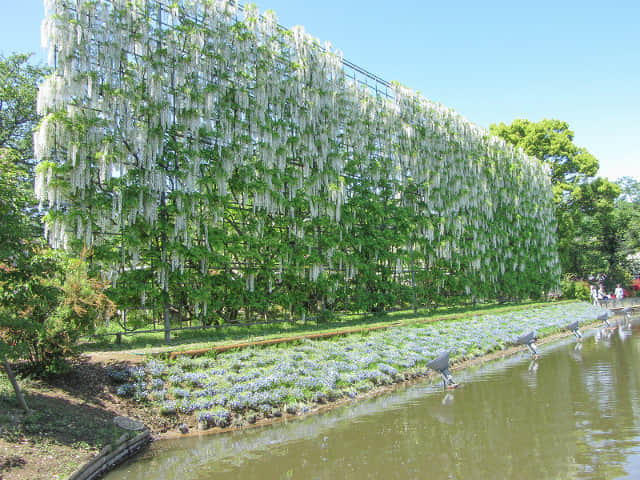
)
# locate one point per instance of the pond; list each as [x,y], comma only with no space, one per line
[573,414]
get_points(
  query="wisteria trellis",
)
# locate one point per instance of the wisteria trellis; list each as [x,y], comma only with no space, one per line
[216,161]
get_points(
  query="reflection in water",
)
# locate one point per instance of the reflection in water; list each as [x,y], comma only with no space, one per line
[624,331]
[603,335]
[576,352]
[444,412]
[574,414]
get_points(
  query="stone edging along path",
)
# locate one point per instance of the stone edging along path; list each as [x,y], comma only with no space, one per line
[112,456]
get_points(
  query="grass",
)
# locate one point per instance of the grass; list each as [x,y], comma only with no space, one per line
[55,438]
[146,343]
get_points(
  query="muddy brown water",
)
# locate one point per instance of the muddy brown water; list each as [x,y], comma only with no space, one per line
[573,414]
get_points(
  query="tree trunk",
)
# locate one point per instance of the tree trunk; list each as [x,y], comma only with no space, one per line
[14,382]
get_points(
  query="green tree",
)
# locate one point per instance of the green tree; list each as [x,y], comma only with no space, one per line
[627,217]
[587,240]
[19,82]
[19,220]
[46,299]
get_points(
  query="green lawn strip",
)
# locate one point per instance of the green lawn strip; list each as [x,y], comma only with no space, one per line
[234,336]
[328,333]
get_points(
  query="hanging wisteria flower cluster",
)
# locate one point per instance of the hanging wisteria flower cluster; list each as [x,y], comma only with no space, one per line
[208,154]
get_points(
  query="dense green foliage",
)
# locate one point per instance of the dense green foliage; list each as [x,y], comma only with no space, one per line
[590,227]
[626,223]
[19,82]
[628,213]
[19,228]
[219,165]
[572,288]
[46,300]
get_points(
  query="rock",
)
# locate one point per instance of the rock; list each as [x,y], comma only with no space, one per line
[276,412]
[252,418]
[183,428]
[128,423]
[291,409]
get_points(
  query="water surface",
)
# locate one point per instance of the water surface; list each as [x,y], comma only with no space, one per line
[574,414]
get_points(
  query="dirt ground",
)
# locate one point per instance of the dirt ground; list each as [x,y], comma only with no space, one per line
[71,421]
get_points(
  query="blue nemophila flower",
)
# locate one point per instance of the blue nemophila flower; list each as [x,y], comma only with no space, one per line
[117,375]
[388,369]
[214,417]
[168,407]
[157,395]
[125,390]
[220,399]
[156,368]
[318,370]
[185,405]
[356,376]
[203,363]
[137,373]
[157,384]
[141,395]
[180,392]
[194,379]
[240,401]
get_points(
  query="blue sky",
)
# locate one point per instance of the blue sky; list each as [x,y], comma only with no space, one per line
[492,61]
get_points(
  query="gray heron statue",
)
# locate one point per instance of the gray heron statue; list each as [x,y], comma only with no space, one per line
[528,339]
[604,318]
[575,328]
[440,364]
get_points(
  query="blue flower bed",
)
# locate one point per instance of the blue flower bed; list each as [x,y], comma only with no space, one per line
[291,377]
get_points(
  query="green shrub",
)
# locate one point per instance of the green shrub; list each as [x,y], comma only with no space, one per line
[48,301]
[575,289]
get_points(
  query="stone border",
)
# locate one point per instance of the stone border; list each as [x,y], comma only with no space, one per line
[110,456]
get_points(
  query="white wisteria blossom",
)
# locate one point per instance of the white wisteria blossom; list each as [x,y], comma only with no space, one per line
[199,139]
